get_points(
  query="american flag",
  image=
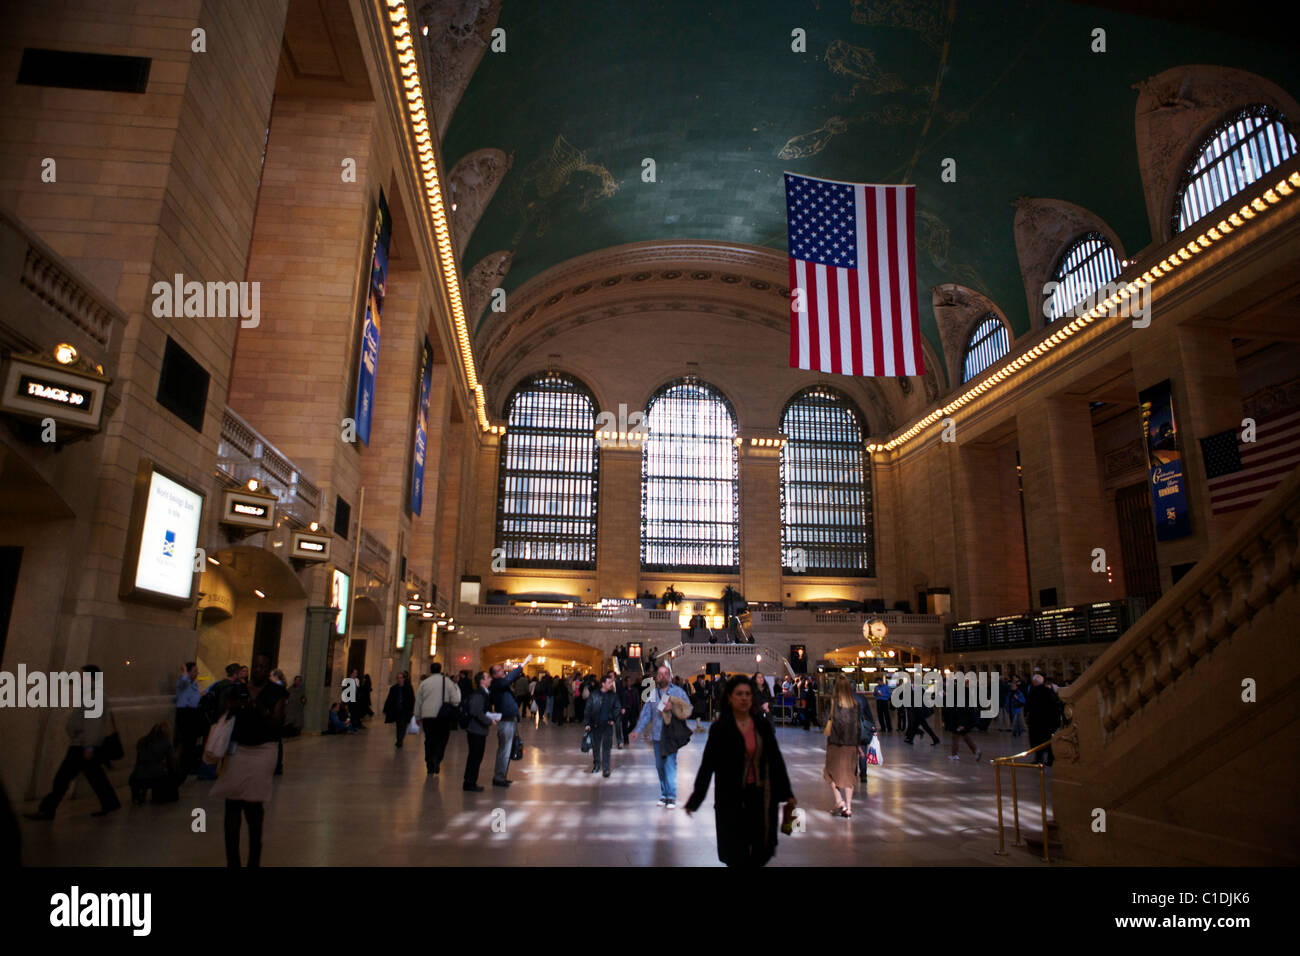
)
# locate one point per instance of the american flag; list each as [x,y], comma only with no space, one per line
[853,258]
[1241,474]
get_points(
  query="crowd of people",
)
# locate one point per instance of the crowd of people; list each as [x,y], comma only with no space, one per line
[240,723]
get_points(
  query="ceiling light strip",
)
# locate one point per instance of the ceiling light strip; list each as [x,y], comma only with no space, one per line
[421,130]
[1175,260]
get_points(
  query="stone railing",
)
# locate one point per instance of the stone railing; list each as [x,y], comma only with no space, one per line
[47,276]
[890,618]
[243,454]
[1247,570]
[375,556]
[625,614]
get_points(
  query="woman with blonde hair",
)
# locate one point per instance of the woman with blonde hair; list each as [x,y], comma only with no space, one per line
[842,740]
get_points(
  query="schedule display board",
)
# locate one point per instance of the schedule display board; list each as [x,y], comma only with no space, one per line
[1106,621]
[1010,631]
[968,634]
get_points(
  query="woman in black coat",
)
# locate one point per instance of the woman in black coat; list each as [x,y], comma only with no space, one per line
[399,706]
[743,755]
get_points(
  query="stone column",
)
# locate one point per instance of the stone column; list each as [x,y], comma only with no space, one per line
[991,574]
[618,536]
[1064,506]
[760,523]
[1199,363]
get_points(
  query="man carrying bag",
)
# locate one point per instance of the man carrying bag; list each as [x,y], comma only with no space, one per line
[437,707]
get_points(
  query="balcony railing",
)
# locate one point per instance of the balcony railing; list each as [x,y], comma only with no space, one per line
[244,453]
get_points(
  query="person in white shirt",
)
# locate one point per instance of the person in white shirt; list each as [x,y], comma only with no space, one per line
[437,704]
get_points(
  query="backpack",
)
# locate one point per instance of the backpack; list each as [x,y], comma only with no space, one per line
[463,715]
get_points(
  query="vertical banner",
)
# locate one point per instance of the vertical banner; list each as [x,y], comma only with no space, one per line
[370,330]
[421,428]
[1164,462]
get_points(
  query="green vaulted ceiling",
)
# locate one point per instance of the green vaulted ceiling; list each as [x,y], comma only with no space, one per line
[587,89]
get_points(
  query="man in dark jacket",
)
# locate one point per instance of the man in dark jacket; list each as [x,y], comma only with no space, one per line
[400,705]
[479,725]
[1043,715]
[501,691]
[603,708]
[959,721]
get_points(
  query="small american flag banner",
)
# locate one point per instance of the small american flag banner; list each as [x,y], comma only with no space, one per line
[1241,474]
[853,271]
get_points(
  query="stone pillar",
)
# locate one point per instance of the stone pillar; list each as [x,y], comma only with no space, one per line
[991,574]
[760,523]
[618,537]
[1200,364]
[1064,505]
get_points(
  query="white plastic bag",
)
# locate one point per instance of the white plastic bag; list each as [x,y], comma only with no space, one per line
[413,727]
[218,741]
[875,753]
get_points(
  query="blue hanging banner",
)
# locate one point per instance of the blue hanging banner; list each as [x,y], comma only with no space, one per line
[421,428]
[1164,462]
[365,403]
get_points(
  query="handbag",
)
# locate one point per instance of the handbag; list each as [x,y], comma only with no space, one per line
[111,747]
[447,711]
[586,742]
[218,741]
[517,748]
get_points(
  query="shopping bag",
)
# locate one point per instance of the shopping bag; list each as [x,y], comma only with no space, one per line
[586,742]
[875,753]
[218,741]
[413,727]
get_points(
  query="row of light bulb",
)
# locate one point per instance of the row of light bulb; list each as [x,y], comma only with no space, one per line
[420,126]
[1175,260]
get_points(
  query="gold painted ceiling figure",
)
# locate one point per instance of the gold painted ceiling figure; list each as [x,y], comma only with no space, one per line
[538,189]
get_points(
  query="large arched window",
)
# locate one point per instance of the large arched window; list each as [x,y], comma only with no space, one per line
[546,498]
[1243,147]
[988,344]
[689,497]
[826,525]
[1087,265]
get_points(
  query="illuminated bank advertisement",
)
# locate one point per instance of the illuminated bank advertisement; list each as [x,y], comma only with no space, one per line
[169,537]
[421,428]
[1164,463]
[365,402]
[339,600]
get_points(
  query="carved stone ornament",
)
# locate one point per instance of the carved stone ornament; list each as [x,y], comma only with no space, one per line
[488,273]
[459,34]
[471,185]
[1065,745]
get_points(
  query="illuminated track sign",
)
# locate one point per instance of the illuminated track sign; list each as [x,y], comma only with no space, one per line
[35,390]
[247,509]
[308,546]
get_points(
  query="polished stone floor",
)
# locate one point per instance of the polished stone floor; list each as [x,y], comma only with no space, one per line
[359,801]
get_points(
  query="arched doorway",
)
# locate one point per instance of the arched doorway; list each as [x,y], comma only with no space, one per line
[551,655]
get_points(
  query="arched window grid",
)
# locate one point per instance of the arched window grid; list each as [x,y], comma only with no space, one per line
[690,501]
[1246,145]
[548,474]
[1087,265]
[988,344]
[826,509]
